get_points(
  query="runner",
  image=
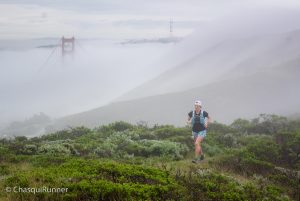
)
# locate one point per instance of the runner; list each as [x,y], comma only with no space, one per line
[199,120]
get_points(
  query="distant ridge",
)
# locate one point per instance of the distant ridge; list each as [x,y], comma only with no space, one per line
[273,90]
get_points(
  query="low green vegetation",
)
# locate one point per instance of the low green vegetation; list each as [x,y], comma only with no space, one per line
[256,159]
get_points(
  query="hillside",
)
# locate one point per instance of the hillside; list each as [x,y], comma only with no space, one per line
[247,160]
[274,89]
[30,127]
[227,59]
[243,77]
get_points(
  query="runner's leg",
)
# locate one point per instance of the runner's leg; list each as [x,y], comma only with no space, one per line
[200,140]
[198,150]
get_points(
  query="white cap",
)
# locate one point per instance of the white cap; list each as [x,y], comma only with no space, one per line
[198,103]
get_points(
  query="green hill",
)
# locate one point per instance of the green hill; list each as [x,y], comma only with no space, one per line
[256,159]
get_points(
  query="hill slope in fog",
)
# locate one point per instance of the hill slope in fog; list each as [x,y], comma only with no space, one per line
[225,60]
[272,90]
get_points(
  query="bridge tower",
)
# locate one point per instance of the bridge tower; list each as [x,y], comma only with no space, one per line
[171,28]
[67,45]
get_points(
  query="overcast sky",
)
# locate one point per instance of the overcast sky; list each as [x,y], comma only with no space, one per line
[108,19]
[115,18]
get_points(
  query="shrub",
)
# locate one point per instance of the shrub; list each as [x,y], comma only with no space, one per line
[242,125]
[106,149]
[29,149]
[95,180]
[264,149]
[165,132]
[4,170]
[216,127]
[211,150]
[168,149]
[243,162]
[21,138]
[289,148]
[18,179]
[71,133]
[120,126]
[210,185]
[4,153]
[228,140]
[58,147]
[47,160]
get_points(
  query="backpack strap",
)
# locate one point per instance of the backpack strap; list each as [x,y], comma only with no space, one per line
[202,118]
[193,118]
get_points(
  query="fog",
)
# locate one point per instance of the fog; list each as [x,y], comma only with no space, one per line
[34,81]
[246,41]
[36,78]
[243,22]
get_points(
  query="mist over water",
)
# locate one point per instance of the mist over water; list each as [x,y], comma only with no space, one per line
[33,80]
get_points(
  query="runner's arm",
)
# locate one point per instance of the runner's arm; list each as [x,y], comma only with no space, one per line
[209,120]
[189,120]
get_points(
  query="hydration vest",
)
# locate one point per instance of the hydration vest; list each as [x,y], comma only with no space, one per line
[202,119]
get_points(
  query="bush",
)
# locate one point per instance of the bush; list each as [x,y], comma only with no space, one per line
[228,140]
[208,185]
[242,125]
[29,149]
[129,143]
[211,150]
[106,149]
[270,124]
[289,148]
[264,149]
[94,180]
[17,180]
[170,131]
[47,160]
[4,170]
[71,133]
[243,162]
[64,147]
[216,127]
[167,149]
[4,154]
[120,126]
